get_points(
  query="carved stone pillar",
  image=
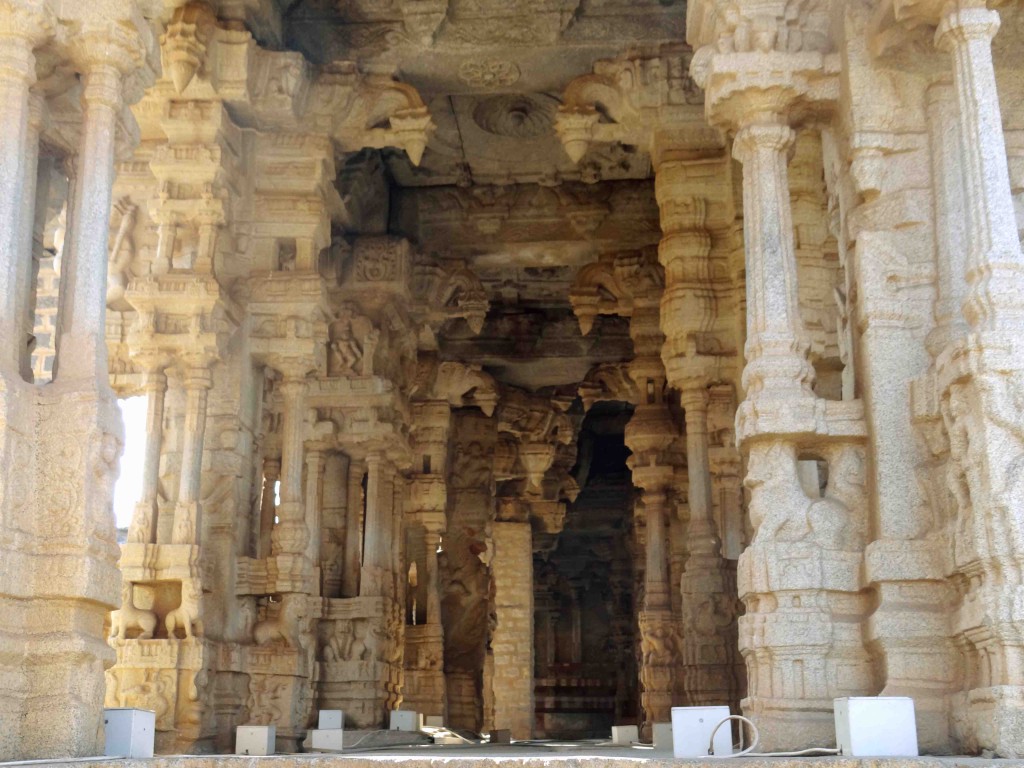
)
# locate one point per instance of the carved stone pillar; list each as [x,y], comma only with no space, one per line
[431,541]
[353,530]
[693,185]
[709,639]
[777,369]
[82,350]
[188,524]
[21,30]
[649,435]
[376,578]
[995,265]
[144,521]
[980,381]
[314,502]
[802,634]
[63,576]
[291,534]
[950,215]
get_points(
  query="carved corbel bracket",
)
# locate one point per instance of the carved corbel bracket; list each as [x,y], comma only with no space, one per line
[385,113]
[599,290]
[184,44]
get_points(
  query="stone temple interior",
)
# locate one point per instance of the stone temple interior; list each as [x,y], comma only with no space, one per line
[536,364]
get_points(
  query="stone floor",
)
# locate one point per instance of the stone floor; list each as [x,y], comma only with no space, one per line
[506,756]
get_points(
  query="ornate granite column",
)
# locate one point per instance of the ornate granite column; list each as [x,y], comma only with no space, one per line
[82,351]
[649,435]
[981,381]
[994,261]
[950,214]
[314,502]
[709,636]
[694,190]
[802,635]
[188,524]
[376,578]
[78,437]
[22,28]
[428,498]
[777,373]
[291,533]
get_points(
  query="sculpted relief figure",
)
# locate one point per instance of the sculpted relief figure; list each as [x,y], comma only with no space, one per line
[122,253]
[352,344]
[186,617]
[286,626]
[128,617]
[781,511]
[266,699]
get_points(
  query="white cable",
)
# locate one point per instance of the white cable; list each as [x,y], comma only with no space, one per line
[753,742]
[757,737]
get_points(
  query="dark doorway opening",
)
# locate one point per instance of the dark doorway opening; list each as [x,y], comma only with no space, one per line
[585,677]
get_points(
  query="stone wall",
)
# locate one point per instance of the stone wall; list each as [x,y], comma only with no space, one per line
[512,637]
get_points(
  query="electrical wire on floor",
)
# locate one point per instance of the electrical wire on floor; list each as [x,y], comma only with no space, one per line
[756,740]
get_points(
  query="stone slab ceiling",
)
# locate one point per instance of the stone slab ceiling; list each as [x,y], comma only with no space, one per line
[492,72]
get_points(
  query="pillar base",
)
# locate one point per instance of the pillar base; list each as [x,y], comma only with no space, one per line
[791,725]
[993,720]
[58,572]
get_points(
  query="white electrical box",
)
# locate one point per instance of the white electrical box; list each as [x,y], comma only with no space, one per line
[691,731]
[129,732]
[404,720]
[330,739]
[255,739]
[331,719]
[876,726]
[624,735]
[433,721]
[661,736]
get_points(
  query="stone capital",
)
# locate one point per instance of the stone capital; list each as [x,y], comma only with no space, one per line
[198,377]
[963,25]
[104,55]
[693,396]
[23,27]
[766,87]
[754,137]
[29,20]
